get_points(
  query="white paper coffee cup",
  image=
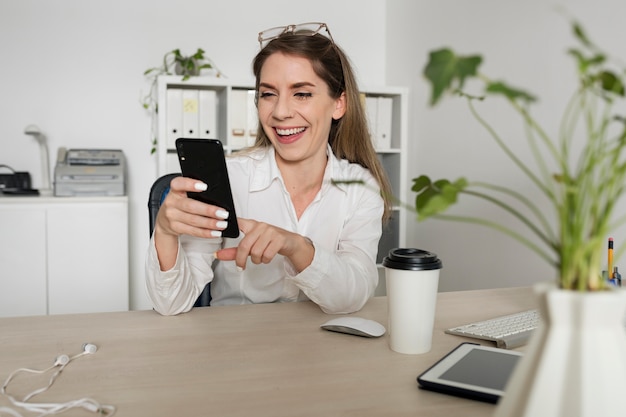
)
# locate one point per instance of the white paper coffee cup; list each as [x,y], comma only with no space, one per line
[412,283]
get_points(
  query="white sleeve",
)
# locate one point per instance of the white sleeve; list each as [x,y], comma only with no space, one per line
[175,291]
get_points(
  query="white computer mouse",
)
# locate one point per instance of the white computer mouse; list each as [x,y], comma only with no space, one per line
[357,326]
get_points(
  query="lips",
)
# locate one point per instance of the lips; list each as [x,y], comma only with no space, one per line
[289,135]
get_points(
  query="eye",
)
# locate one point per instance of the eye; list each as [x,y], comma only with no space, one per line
[266,94]
[303,95]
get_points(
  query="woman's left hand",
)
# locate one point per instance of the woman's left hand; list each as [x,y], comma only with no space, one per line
[262,242]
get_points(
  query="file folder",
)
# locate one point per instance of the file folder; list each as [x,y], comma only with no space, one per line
[238,136]
[174,111]
[383,123]
[207,114]
[252,118]
[191,125]
[371,112]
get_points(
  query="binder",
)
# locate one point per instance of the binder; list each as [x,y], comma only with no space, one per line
[191,125]
[174,111]
[207,114]
[371,112]
[237,137]
[252,118]
[383,123]
[171,162]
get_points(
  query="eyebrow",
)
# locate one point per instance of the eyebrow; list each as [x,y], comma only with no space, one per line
[292,86]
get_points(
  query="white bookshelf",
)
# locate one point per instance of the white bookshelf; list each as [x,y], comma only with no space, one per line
[228,115]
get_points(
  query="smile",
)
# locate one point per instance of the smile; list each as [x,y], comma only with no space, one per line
[289,132]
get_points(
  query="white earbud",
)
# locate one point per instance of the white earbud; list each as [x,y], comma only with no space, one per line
[90,348]
[62,360]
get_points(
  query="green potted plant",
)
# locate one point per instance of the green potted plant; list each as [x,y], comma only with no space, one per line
[174,63]
[583,189]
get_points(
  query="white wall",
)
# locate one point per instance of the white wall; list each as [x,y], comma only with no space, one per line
[75,68]
[523,43]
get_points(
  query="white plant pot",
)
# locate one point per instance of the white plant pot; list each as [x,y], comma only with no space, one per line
[575,362]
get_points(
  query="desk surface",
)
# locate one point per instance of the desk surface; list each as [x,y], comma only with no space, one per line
[261,360]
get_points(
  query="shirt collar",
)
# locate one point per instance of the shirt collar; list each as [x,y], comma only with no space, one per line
[266,170]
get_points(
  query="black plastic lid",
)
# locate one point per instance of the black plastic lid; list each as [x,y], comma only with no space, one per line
[412,259]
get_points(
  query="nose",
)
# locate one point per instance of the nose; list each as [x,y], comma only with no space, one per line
[282,109]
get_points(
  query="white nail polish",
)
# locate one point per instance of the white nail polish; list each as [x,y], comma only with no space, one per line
[223,214]
[239,269]
[221,224]
[200,186]
[216,233]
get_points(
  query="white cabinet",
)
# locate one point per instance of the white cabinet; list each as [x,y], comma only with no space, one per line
[232,119]
[63,255]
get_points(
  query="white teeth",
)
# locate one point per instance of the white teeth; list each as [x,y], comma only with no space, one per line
[286,132]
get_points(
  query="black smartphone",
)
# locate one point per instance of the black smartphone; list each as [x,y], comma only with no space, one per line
[204,160]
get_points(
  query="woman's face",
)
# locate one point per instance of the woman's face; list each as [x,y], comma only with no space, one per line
[295,108]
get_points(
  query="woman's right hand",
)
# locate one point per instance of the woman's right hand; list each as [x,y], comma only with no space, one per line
[180,214]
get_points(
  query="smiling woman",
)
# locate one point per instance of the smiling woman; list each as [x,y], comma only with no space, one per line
[307,233]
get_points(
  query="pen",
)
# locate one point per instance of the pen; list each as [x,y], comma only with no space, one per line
[610,264]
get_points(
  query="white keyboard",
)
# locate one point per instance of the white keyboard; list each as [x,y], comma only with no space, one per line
[508,331]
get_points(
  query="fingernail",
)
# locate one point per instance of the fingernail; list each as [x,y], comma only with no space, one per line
[221,225]
[223,214]
[239,269]
[200,186]
[216,233]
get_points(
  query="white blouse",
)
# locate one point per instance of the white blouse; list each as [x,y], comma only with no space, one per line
[344,222]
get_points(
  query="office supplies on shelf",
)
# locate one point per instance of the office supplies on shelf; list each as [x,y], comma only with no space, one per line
[508,331]
[90,172]
[174,112]
[616,277]
[191,122]
[35,132]
[379,111]
[15,183]
[243,119]
[207,113]
[610,258]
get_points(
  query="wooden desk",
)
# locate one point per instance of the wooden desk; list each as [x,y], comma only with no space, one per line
[254,360]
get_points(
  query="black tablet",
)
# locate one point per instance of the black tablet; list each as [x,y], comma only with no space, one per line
[471,371]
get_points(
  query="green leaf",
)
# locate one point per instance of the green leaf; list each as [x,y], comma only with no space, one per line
[580,34]
[511,93]
[444,68]
[611,83]
[420,183]
[199,54]
[585,63]
[435,197]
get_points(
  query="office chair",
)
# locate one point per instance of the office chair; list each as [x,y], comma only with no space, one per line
[158,191]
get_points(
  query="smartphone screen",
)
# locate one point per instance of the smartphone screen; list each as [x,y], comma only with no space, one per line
[204,160]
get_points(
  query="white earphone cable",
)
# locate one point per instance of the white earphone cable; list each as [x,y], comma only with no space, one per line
[45,409]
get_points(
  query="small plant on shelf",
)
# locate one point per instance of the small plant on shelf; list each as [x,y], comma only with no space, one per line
[174,63]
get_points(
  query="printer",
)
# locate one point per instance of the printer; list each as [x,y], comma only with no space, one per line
[90,172]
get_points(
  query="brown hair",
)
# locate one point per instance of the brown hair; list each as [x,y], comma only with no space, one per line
[349,136]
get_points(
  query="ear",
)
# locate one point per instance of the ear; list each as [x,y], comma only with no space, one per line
[340,107]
